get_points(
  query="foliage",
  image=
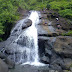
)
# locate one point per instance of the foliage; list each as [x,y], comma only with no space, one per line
[64,7]
[48,6]
[9,14]
[9,11]
[67,13]
[1,29]
[59,5]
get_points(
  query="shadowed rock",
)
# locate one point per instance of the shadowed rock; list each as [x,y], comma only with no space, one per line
[2,55]
[27,23]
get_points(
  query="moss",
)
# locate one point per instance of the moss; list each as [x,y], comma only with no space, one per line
[69,33]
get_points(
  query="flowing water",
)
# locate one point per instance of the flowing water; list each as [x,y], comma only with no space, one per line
[25,42]
[31,41]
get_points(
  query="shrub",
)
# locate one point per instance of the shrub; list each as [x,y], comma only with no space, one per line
[67,13]
[48,6]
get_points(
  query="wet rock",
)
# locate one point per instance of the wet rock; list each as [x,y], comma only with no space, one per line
[15,30]
[9,52]
[27,23]
[2,55]
[10,63]
[45,49]
[3,66]
[2,45]
[40,17]
[44,46]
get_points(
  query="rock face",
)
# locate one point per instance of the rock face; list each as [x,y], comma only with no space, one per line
[56,51]
[63,46]
[3,66]
[28,23]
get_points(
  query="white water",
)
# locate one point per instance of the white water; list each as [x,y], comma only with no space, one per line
[32,34]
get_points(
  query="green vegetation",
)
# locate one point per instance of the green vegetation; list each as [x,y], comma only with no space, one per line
[8,15]
[9,11]
[67,13]
[69,33]
[64,7]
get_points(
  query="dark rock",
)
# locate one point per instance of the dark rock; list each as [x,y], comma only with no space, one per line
[2,55]
[15,30]
[27,23]
[48,52]
[9,52]
[45,50]
[56,60]
[2,45]
[3,66]
[50,34]
[40,17]
[52,15]
[55,67]
[44,59]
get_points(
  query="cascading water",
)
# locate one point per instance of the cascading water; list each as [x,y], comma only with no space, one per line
[25,42]
[31,41]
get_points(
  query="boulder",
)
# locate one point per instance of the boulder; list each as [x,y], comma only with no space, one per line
[3,66]
[27,23]
[63,46]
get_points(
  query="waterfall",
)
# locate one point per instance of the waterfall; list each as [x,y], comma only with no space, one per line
[32,40]
[24,42]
